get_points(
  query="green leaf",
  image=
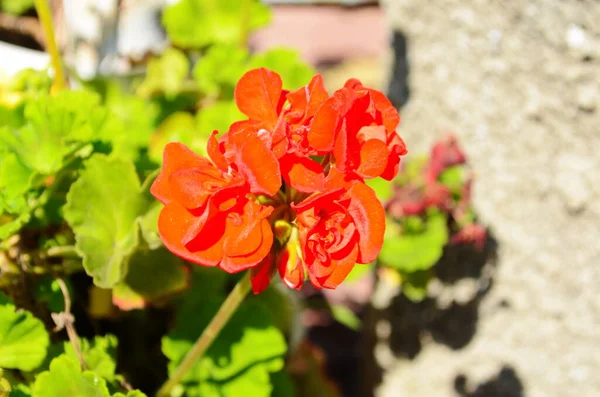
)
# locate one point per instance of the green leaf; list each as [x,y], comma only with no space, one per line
[382,188]
[165,74]
[16,7]
[11,225]
[241,358]
[23,338]
[294,72]
[102,209]
[410,252]
[198,23]
[345,316]
[149,225]
[48,291]
[359,271]
[453,178]
[153,275]
[283,386]
[66,379]
[218,71]
[217,116]
[133,393]
[15,180]
[178,127]
[55,126]
[414,285]
[99,354]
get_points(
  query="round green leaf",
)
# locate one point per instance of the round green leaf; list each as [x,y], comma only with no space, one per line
[410,252]
[102,209]
[66,379]
[23,338]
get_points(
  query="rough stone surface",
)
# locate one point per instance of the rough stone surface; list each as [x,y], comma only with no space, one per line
[517,81]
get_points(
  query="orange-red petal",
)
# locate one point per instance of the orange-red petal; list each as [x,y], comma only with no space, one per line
[176,156]
[373,158]
[259,166]
[257,94]
[369,217]
[302,173]
[173,223]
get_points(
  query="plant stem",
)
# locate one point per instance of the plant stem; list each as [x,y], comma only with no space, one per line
[66,319]
[209,334]
[43,11]
[245,23]
[64,250]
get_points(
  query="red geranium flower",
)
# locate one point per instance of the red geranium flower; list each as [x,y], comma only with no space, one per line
[264,180]
[358,125]
[339,228]
[208,217]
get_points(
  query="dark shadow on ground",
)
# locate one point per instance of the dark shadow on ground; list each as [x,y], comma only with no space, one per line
[398,90]
[506,384]
[450,323]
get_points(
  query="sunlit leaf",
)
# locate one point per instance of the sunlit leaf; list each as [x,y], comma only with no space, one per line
[198,23]
[344,315]
[165,74]
[217,116]
[410,252]
[16,7]
[240,360]
[102,208]
[218,71]
[23,338]
[294,72]
[65,378]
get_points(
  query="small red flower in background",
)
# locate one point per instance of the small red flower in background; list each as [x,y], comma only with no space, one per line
[284,189]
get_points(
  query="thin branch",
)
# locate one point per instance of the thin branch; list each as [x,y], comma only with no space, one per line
[43,11]
[209,334]
[65,320]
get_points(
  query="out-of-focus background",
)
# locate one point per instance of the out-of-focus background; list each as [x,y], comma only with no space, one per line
[518,83]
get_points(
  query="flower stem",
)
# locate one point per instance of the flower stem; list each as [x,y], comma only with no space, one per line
[245,23]
[43,11]
[209,334]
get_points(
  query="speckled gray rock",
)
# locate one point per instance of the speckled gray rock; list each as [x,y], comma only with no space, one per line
[518,82]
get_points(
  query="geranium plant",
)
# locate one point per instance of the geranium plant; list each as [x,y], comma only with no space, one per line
[136,217]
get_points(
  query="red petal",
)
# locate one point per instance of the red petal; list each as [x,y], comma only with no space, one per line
[291,268]
[389,113]
[243,231]
[305,101]
[214,152]
[190,186]
[261,275]
[373,158]
[326,122]
[176,156]
[369,217]
[207,246]
[257,94]
[303,173]
[173,222]
[234,264]
[259,166]
[336,179]
[397,148]
[317,198]
[342,268]
[341,149]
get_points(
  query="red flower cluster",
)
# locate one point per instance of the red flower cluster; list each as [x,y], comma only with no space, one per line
[416,196]
[294,170]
